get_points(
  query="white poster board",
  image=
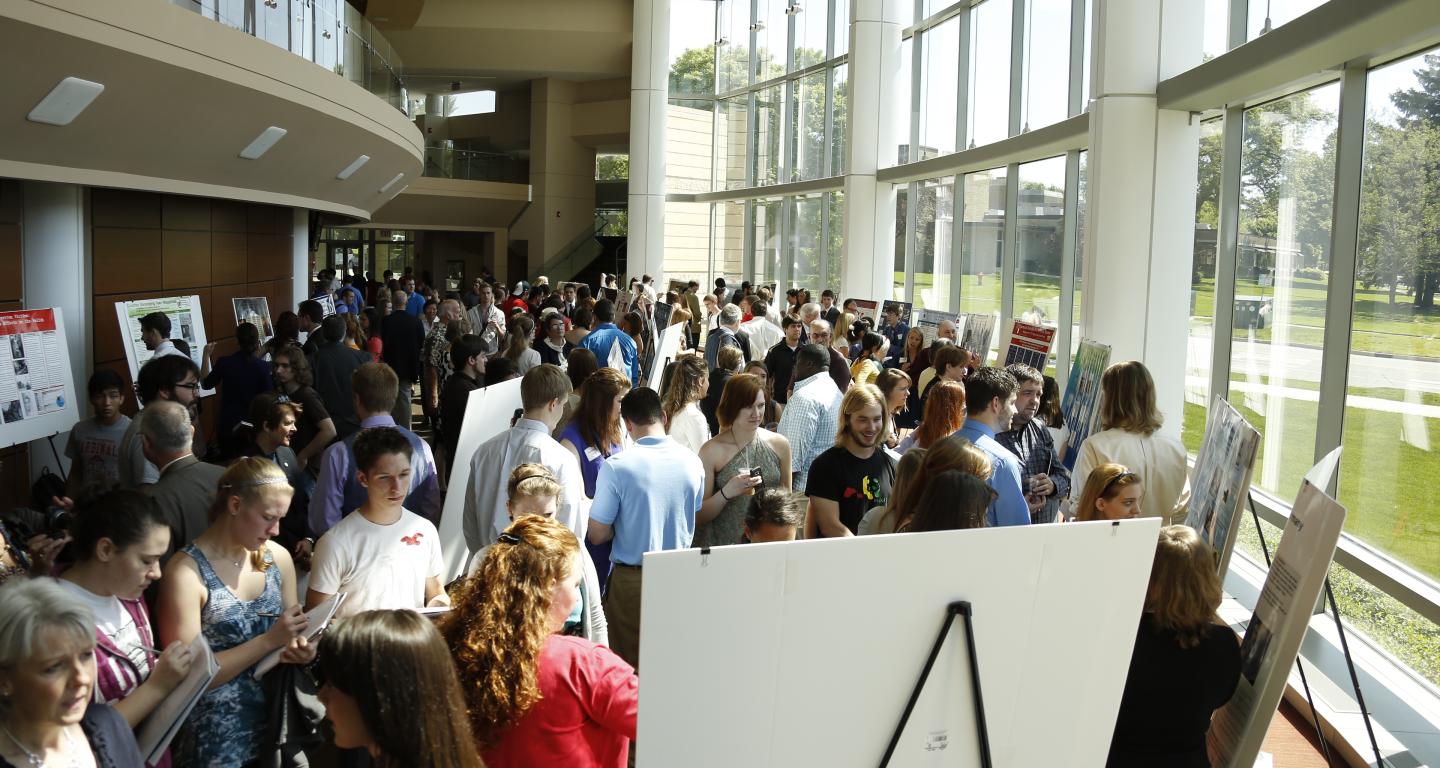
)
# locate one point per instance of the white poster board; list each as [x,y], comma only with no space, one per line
[37,388]
[254,310]
[327,304]
[929,320]
[1221,481]
[868,308]
[828,637]
[1276,629]
[486,415]
[665,353]
[186,322]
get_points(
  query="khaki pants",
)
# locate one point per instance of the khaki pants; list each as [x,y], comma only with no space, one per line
[622,613]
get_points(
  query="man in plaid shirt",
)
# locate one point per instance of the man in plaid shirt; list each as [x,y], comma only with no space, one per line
[1045,479]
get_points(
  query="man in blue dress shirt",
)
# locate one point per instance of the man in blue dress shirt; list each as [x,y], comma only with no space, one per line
[990,398]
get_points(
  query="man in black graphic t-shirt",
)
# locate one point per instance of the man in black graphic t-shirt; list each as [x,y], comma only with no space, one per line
[855,475]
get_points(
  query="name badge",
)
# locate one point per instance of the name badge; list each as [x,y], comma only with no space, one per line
[592,453]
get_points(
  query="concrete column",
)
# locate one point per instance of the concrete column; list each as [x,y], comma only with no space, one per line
[56,272]
[562,178]
[649,96]
[1142,165]
[300,258]
[876,107]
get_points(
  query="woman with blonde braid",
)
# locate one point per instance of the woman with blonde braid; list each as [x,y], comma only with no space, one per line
[237,587]
[536,696]
[519,351]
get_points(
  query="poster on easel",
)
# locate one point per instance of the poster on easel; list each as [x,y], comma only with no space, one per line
[1277,627]
[37,387]
[904,308]
[929,320]
[1221,478]
[1082,396]
[327,304]
[679,286]
[255,310]
[979,332]
[1028,344]
[186,324]
[868,308]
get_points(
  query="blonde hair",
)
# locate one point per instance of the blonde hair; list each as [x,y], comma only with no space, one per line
[841,331]
[248,480]
[1127,399]
[1104,482]
[858,398]
[532,480]
[1184,590]
[729,359]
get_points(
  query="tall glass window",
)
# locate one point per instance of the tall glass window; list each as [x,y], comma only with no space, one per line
[1266,15]
[1202,286]
[982,243]
[934,235]
[810,32]
[807,222]
[1217,28]
[1287,181]
[1046,85]
[938,90]
[902,214]
[1392,404]
[733,49]
[1081,227]
[989,88]
[1039,233]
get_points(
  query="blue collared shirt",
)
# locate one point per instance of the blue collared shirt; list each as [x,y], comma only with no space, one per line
[649,493]
[1009,507]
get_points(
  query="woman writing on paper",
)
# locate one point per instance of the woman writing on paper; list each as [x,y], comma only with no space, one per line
[237,587]
[537,697]
[48,716]
[119,539]
[1129,421]
[1184,666]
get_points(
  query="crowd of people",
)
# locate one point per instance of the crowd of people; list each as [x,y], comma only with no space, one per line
[779,418]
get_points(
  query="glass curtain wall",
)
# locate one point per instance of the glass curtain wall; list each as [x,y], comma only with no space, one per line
[759,86]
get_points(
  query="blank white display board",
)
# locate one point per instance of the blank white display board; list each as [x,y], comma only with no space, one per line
[804,653]
[665,353]
[486,415]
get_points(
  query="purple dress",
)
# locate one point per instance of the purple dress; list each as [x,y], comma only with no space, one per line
[590,459]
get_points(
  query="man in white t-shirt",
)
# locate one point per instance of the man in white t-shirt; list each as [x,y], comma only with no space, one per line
[382,555]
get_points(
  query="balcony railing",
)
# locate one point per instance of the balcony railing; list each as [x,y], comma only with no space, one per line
[444,163]
[329,33]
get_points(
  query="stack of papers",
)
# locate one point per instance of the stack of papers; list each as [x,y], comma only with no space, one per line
[157,731]
[320,617]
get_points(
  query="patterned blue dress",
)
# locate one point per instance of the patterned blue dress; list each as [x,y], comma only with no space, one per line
[229,722]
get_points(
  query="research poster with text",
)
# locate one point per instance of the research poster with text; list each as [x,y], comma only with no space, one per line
[37,391]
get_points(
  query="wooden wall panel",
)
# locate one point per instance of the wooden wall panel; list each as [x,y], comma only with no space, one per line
[185,213]
[10,262]
[228,257]
[185,259]
[227,216]
[125,260]
[124,208]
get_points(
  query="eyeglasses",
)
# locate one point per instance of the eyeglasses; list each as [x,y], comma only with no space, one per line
[192,386]
[1122,477]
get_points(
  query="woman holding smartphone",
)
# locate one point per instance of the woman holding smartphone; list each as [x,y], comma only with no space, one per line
[743,457]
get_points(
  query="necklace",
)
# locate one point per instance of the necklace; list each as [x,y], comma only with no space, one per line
[38,761]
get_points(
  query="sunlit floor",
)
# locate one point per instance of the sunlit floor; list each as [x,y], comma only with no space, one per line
[1292,741]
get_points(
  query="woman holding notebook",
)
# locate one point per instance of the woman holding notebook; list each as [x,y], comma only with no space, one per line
[238,587]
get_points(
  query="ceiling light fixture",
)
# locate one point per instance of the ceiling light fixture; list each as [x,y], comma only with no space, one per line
[263,143]
[65,101]
[391,183]
[353,167]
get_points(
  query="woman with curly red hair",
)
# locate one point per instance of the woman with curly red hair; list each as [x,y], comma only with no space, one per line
[535,696]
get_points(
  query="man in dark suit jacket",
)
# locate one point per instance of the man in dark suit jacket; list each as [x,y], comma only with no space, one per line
[186,488]
[401,336]
[332,366]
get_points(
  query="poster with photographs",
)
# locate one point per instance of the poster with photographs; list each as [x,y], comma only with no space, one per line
[1277,627]
[679,286]
[929,320]
[1221,478]
[187,328]
[1082,396]
[327,304]
[979,333]
[255,310]
[1029,344]
[37,390]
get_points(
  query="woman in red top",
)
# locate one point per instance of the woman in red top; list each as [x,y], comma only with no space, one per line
[537,697]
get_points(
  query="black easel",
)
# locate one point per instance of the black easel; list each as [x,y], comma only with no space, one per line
[59,465]
[1344,647]
[959,608]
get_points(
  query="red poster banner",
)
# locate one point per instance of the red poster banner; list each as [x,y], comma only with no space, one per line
[27,321]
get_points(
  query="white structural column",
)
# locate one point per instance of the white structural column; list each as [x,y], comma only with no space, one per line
[300,256]
[877,112]
[649,95]
[56,274]
[1141,197]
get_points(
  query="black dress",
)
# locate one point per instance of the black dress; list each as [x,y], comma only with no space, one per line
[1170,694]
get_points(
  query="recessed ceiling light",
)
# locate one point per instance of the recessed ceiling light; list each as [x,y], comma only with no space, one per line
[263,143]
[353,167]
[391,183]
[65,101]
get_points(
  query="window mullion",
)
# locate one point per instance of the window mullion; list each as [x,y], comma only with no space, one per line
[1226,241]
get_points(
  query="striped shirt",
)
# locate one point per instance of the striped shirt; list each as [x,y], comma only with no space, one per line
[810,422]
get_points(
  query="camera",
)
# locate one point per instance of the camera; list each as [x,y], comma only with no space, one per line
[57,521]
